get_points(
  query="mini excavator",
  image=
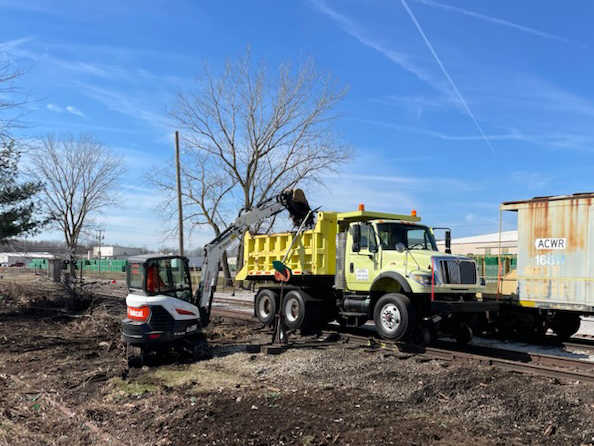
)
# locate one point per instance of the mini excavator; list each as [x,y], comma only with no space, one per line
[162,311]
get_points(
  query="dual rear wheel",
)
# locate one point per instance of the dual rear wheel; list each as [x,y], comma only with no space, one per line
[299,310]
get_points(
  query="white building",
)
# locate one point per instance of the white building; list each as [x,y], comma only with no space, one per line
[484,244]
[114,252]
[14,258]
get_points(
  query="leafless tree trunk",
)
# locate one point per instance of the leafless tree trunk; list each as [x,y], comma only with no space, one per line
[79,176]
[264,134]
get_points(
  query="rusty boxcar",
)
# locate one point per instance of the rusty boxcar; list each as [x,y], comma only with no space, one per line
[555,272]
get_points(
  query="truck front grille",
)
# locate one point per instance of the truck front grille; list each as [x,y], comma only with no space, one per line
[160,319]
[462,272]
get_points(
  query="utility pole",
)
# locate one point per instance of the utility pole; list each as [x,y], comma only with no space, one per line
[100,238]
[179,197]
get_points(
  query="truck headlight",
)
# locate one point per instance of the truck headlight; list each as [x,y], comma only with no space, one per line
[422,279]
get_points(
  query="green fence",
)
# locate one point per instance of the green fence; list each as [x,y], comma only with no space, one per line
[37,264]
[103,265]
[93,265]
[489,267]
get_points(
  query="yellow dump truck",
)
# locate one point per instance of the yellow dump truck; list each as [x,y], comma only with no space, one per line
[358,266]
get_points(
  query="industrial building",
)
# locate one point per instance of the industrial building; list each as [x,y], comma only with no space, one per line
[114,252]
[484,244]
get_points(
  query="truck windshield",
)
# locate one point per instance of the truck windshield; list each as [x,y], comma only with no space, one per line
[411,236]
[169,277]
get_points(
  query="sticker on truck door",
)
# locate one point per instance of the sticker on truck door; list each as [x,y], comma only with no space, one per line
[361,274]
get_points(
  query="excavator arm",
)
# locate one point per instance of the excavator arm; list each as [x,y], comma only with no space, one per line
[293,201]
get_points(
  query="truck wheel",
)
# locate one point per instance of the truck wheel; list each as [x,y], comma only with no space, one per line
[394,316]
[565,325]
[265,306]
[293,309]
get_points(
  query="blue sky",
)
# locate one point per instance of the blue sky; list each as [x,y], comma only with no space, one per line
[509,115]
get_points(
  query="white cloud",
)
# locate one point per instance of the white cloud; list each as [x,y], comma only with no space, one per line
[532,180]
[417,183]
[74,111]
[560,139]
[10,45]
[127,104]
[54,108]
[69,108]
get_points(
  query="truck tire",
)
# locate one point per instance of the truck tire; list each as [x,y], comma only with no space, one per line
[293,309]
[394,317]
[265,306]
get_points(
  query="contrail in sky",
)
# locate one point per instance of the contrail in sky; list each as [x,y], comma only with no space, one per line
[447,75]
[494,20]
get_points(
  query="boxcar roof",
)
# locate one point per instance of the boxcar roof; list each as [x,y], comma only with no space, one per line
[576,196]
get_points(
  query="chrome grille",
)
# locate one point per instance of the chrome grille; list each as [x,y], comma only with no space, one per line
[462,272]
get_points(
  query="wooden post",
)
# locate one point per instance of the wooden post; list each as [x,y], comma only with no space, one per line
[179,197]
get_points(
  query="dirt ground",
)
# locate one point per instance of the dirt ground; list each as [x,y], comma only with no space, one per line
[64,381]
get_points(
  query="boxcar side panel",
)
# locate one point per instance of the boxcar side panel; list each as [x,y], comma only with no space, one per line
[556,242]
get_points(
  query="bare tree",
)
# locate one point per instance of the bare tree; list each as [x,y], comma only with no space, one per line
[79,175]
[206,191]
[8,99]
[264,134]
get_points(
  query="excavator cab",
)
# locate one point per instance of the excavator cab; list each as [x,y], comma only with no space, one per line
[165,275]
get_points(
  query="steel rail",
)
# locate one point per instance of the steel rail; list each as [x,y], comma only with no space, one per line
[532,363]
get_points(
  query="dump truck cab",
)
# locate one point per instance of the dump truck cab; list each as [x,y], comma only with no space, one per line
[401,255]
[395,275]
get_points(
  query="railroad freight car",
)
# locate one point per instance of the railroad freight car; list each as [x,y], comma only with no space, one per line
[554,281]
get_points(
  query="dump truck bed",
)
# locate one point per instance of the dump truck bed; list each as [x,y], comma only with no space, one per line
[313,254]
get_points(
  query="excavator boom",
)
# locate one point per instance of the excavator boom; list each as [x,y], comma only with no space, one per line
[293,201]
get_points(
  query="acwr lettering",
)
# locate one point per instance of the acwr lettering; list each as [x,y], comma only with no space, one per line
[551,243]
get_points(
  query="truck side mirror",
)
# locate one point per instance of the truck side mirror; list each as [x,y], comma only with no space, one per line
[448,241]
[356,233]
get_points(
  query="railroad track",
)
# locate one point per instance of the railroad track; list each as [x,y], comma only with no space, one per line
[233,302]
[524,362]
[584,343]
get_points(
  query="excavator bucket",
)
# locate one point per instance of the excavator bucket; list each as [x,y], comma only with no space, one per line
[298,207]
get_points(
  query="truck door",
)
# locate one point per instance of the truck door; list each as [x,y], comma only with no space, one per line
[361,260]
